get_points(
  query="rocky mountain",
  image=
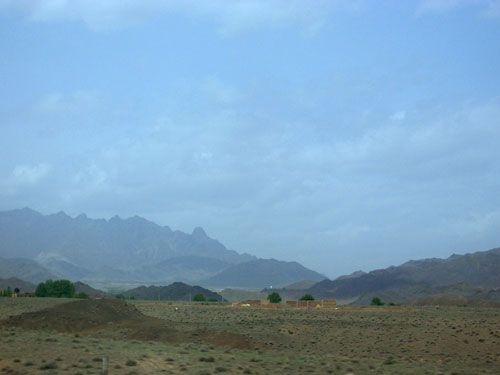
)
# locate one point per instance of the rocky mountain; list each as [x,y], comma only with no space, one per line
[174,292]
[477,270]
[24,269]
[119,249]
[261,273]
[129,251]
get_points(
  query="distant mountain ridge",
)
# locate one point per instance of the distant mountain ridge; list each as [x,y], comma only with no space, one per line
[132,250]
[460,293]
[478,270]
[174,292]
[24,269]
[255,273]
[87,242]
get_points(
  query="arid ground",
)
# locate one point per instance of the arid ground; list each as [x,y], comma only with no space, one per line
[50,336]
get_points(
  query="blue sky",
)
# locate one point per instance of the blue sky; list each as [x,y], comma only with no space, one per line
[343,134]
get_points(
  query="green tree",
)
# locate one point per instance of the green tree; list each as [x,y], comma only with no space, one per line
[199,297]
[41,290]
[56,288]
[61,288]
[82,295]
[376,301]
[307,297]
[274,297]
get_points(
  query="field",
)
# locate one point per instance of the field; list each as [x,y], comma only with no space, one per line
[189,338]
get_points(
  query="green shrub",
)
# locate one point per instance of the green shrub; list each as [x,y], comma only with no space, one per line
[199,298]
[274,297]
[82,295]
[307,297]
[376,301]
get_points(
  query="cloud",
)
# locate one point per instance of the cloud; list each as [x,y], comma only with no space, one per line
[23,178]
[230,16]
[29,174]
[398,116]
[280,184]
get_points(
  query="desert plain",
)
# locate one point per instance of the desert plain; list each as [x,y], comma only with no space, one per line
[62,336]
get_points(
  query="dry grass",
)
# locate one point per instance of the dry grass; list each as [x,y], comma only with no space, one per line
[419,341]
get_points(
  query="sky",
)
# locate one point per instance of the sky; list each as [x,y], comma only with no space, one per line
[343,134]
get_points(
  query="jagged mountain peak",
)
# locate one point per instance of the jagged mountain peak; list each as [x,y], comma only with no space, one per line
[199,232]
[121,244]
[132,249]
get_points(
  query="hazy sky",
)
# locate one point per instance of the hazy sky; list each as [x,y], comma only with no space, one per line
[343,134]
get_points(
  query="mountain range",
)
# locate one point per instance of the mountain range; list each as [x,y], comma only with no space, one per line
[459,274]
[35,247]
[134,251]
[273,271]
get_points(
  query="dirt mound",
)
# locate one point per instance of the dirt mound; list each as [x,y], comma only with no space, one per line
[78,316]
[113,318]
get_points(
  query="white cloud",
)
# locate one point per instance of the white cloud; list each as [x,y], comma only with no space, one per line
[230,15]
[29,174]
[398,116]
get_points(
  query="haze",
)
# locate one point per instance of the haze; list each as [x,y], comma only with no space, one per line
[342,134]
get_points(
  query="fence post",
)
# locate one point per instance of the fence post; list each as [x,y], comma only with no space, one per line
[104,365]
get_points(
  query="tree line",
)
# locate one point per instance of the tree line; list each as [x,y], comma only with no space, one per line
[58,289]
